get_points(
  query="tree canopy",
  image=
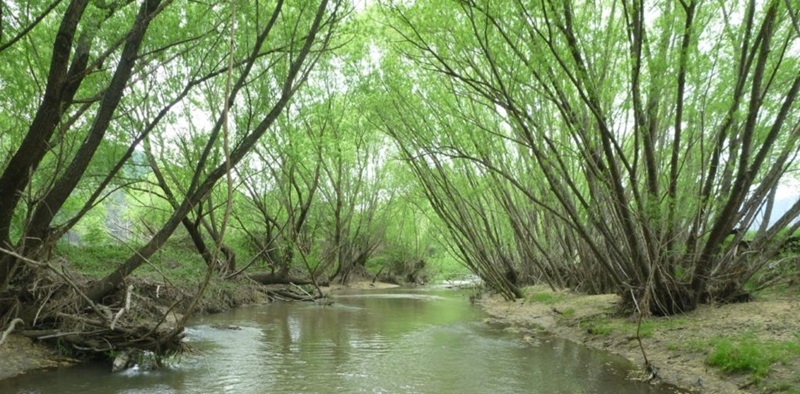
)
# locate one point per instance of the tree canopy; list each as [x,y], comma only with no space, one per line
[623,146]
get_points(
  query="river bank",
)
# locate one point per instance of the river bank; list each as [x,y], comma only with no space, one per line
[758,342]
[150,300]
[679,347]
[20,354]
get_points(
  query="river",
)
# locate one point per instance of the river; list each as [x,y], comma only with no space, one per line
[378,341]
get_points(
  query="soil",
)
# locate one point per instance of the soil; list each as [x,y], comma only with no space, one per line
[358,285]
[19,354]
[669,345]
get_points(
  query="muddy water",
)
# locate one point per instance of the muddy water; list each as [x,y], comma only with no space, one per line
[397,341]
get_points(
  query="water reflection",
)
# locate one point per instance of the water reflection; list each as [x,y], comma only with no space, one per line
[377,342]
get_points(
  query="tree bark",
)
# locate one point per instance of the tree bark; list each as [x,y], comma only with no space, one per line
[61,87]
[52,203]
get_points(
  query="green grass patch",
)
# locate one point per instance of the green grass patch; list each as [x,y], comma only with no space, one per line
[177,263]
[599,326]
[568,313]
[605,326]
[93,261]
[746,353]
[546,297]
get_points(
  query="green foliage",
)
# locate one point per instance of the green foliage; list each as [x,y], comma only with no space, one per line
[174,261]
[444,266]
[533,126]
[177,262]
[92,228]
[506,125]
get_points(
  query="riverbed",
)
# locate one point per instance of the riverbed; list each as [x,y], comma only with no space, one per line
[368,341]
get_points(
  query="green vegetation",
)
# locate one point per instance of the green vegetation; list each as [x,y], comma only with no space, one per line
[597,326]
[568,313]
[743,353]
[546,297]
[629,327]
[747,354]
[639,150]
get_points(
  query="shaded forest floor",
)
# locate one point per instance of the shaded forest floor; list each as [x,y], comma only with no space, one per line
[750,347]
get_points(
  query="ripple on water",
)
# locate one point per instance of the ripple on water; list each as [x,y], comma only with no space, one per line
[402,342]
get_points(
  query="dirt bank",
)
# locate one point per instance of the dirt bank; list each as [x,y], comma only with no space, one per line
[19,354]
[363,284]
[679,347]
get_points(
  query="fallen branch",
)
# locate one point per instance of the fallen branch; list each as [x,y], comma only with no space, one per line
[10,329]
[266,278]
[291,295]
[123,309]
[311,297]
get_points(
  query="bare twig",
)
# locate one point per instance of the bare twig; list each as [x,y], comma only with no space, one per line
[648,367]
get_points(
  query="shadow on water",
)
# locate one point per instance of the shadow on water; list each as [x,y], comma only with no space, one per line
[397,341]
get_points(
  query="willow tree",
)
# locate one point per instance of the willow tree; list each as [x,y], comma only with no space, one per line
[659,129]
[121,73]
[279,68]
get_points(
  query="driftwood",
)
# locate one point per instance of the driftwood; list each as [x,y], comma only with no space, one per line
[65,314]
[268,278]
[10,329]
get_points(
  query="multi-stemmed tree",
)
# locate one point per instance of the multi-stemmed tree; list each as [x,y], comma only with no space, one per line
[643,135]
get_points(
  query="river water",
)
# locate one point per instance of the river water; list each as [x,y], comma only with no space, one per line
[387,341]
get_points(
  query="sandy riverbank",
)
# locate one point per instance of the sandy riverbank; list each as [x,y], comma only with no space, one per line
[678,346]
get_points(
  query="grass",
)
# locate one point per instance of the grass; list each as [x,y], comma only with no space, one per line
[94,261]
[568,313]
[746,353]
[173,261]
[605,326]
[546,297]
[597,327]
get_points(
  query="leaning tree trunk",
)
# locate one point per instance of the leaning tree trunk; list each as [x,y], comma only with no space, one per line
[295,77]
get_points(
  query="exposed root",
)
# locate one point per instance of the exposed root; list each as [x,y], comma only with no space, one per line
[57,304]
